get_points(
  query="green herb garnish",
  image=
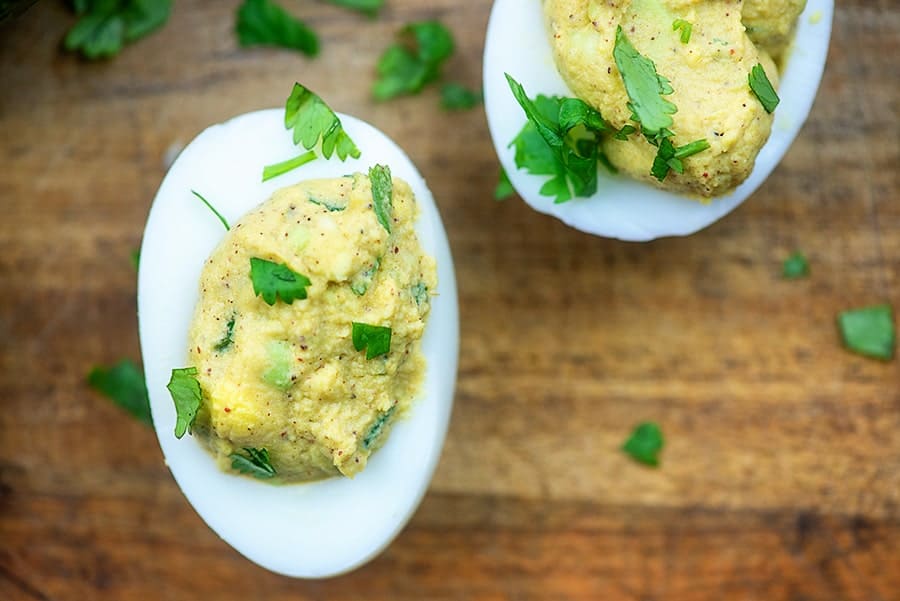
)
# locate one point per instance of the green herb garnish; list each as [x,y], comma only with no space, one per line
[378,427]
[185,391]
[212,208]
[685,28]
[124,385]
[256,463]
[369,7]
[456,97]
[105,26]
[228,339]
[419,293]
[645,444]
[136,258]
[382,194]
[504,187]
[869,331]
[795,267]
[376,340]
[270,171]
[360,283]
[762,88]
[264,23]
[277,280]
[328,206]
[645,88]
[560,139]
[669,157]
[626,131]
[415,61]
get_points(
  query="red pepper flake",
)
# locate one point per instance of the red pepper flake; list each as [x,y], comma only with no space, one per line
[705,174]
[227,409]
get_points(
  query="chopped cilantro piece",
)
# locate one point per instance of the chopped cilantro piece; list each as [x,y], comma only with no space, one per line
[274,280]
[691,148]
[264,23]
[669,157]
[186,394]
[795,267]
[382,194]
[504,187]
[228,339]
[360,283]
[270,171]
[328,206]
[376,340]
[645,444]
[869,331]
[626,131]
[256,463]
[685,28]
[762,88]
[456,97]
[212,208]
[378,427]
[645,87]
[368,7]
[124,385]
[419,293]
[415,61]
[105,26]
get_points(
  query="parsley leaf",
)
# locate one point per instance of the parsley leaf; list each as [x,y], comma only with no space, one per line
[504,187]
[124,385]
[645,444]
[762,88]
[274,280]
[313,120]
[376,340]
[382,194]
[456,97]
[645,87]
[415,61]
[795,267]
[213,209]
[186,394]
[256,463]
[369,7]
[685,28]
[560,139]
[264,23]
[869,331]
[105,26]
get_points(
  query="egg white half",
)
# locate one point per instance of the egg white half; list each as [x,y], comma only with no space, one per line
[309,530]
[623,208]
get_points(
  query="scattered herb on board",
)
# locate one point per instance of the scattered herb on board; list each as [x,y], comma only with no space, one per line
[869,331]
[376,340]
[368,7]
[124,385]
[685,28]
[414,61]
[212,208]
[457,97]
[265,23]
[256,463]
[186,394]
[276,280]
[560,139]
[795,267]
[762,88]
[136,258]
[105,26]
[382,194]
[645,444]
[504,187]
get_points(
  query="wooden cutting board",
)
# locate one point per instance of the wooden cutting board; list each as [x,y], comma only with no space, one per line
[780,480]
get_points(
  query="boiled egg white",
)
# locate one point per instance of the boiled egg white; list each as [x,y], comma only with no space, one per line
[623,208]
[309,530]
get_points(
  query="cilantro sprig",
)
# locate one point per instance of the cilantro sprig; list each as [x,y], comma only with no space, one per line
[276,280]
[645,444]
[123,383]
[414,61]
[375,340]
[264,23]
[187,396]
[762,88]
[255,463]
[105,26]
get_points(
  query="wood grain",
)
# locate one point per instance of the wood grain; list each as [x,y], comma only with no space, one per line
[781,475]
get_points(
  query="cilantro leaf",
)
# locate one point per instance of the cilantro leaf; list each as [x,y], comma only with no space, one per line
[213,209]
[456,97]
[645,444]
[376,340]
[312,120]
[256,463]
[685,28]
[277,280]
[504,187]
[124,385]
[270,171]
[105,26]
[369,7]
[186,394]
[645,87]
[264,23]
[382,194]
[762,88]
[795,267]
[869,331]
[415,61]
